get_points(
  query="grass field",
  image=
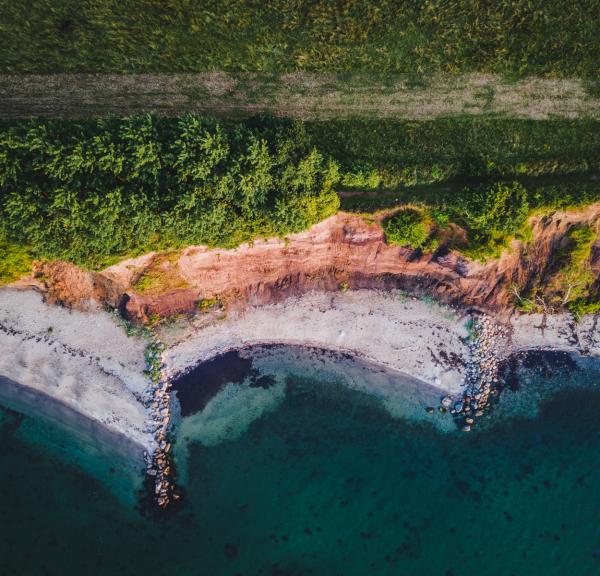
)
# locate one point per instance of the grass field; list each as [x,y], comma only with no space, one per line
[511,37]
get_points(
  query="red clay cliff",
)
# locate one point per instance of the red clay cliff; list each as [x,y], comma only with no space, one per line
[343,251]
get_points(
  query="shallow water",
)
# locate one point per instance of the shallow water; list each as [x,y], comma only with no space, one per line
[308,475]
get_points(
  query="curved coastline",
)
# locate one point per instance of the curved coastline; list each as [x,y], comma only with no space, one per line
[86,361]
[219,398]
[82,359]
[29,401]
[416,338]
[211,392]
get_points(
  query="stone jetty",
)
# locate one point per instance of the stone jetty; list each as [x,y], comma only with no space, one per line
[486,344]
[158,401]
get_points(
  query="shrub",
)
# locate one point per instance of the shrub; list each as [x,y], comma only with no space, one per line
[206,304]
[575,278]
[361,176]
[492,215]
[570,280]
[407,228]
[582,307]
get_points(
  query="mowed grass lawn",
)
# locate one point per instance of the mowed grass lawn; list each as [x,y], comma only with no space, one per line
[387,37]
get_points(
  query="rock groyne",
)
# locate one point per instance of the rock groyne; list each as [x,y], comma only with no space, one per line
[487,340]
[158,401]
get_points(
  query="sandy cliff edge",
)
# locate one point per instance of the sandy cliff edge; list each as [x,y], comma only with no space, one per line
[334,286]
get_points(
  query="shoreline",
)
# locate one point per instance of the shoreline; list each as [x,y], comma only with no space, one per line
[99,437]
[268,366]
[82,359]
[85,361]
[385,328]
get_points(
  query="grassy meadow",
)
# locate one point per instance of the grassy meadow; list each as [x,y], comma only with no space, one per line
[514,38]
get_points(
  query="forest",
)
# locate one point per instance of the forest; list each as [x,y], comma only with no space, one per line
[94,191]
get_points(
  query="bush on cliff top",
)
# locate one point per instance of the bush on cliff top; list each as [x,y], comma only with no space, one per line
[409,228]
[570,280]
[492,215]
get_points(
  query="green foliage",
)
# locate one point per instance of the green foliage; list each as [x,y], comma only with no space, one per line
[576,277]
[15,261]
[94,191]
[514,37]
[492,215]
[407,227]
[207,303]
[162,275]
[582,307]
[406,154]
[440,218]
[570,279]
[361,177]
[496,213]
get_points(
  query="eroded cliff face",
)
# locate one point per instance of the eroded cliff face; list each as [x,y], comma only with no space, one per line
[342,251]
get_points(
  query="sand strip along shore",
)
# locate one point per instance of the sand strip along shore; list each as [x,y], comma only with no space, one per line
[420,339]
[83,359]
[86,360]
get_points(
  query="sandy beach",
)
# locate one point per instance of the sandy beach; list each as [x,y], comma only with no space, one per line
[420,339]
[86,360]
[83,359]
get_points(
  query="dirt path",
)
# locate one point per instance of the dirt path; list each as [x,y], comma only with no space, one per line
[302,95]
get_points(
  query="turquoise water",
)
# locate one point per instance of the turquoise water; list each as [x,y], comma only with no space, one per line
[291,475]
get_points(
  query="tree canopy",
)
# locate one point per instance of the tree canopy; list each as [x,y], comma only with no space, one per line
[96,190]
